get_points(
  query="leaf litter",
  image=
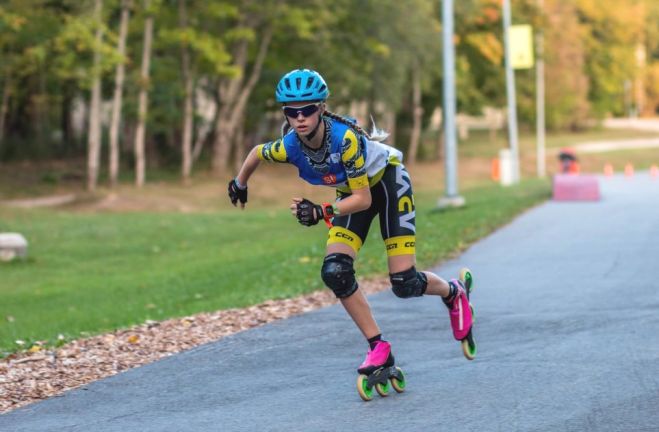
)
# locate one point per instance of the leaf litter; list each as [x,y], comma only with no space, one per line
[40,373]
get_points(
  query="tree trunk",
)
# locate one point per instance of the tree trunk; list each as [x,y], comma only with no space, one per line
[94,131]
[140,163]
[209,118]
[118,94]
[239,154]
[233,100]
[4,106]
[440,142]
[417,113]
[186,145]
[66,107]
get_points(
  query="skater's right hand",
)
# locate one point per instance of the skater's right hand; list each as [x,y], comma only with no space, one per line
[237,193]
[306,212]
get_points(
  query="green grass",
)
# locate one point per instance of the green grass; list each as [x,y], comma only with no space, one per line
[90,273]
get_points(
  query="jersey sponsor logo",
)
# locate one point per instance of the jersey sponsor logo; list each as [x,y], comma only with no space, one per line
[344,235]
[403,180]
[409,244]
[405,221]
[405,204]
[329,179]
[401,245]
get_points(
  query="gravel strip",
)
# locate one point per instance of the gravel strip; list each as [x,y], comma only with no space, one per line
[27,377]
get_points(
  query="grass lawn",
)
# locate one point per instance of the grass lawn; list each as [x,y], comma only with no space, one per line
[92,272]
[119,257]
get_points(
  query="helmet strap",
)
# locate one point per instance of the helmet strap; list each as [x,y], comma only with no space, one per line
[285,127]
[313,132]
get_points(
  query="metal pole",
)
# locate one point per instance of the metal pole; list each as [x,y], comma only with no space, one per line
[510,92]
[452,198]
[540,97]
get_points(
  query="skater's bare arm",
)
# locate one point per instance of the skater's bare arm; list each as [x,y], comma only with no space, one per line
[250,164]
[274,151]
[358,201]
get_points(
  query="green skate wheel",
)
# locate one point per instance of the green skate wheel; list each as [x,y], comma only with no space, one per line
[467,278]
[365,392]
[382,388]
[398,384]
[469,347]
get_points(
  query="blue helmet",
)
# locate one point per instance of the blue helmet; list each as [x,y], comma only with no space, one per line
[301,85]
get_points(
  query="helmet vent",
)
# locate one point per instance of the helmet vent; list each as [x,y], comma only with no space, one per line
[301,85]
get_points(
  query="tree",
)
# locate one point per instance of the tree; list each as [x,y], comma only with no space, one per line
[417,114]
[94,131]
[652,58]
[140,157]
[188,85]
[10,26]
[611,34]
[233,92]
[118,93]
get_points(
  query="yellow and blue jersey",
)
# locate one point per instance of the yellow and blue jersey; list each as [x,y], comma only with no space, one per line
[346,160]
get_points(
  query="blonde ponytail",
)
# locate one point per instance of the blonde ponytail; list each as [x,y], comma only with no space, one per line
[375,134]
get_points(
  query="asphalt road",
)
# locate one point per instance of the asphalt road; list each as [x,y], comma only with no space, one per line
[567,308]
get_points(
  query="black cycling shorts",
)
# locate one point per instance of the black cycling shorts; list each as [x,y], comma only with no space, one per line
[393,201]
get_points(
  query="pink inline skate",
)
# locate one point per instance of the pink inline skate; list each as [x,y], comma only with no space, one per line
[461,313]
[377,371]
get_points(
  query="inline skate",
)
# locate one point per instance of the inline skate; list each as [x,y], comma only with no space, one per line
[379,371]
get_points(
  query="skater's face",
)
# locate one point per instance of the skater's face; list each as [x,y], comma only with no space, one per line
[303,116]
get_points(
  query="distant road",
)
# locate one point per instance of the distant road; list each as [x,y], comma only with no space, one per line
[601,146]
[647,124]
[616,145]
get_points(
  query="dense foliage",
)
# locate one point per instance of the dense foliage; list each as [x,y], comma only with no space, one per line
[602,57]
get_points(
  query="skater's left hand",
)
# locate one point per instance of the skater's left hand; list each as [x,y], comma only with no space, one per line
[237,193]
[306,212]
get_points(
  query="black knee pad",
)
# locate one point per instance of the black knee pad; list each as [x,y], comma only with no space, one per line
[409,283]
[339,274]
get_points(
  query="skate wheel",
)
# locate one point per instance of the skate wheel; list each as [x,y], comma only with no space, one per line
[365,392]
[467,278]
[398,384]
[382,388]
[473,315]
[469,347]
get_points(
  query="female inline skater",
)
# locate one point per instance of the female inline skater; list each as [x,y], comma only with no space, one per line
[370,180]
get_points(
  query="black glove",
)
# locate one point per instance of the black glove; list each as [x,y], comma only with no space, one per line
[308,213]
[237,194]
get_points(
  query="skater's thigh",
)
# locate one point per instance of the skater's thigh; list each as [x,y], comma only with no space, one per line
[349,232]
[397,213]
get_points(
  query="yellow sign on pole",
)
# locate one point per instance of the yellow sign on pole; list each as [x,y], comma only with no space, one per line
[521,46]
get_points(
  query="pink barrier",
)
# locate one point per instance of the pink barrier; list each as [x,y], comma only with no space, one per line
[576,187]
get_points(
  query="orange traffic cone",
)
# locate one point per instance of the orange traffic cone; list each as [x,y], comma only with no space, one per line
[629,170]
[495,170]
[608,170]
[654,171]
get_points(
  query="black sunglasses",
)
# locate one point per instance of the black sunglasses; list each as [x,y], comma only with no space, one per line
[306,110]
